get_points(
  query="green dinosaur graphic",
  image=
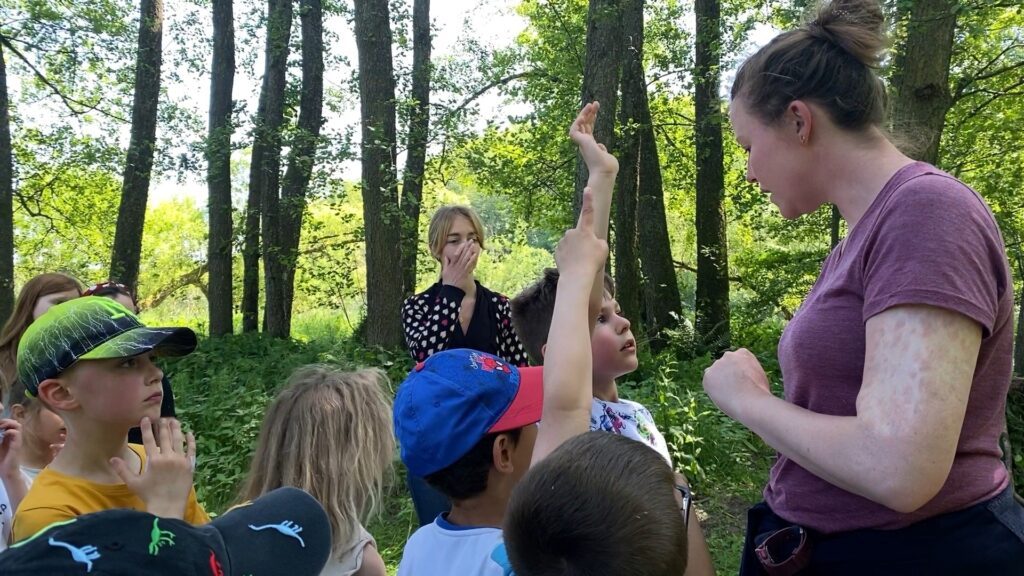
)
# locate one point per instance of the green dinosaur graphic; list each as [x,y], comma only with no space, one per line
[159,538]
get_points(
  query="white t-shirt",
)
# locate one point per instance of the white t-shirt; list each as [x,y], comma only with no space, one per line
[629,419]
[443,549]
[6,517]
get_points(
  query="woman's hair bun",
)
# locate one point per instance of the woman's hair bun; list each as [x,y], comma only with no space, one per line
[856,26]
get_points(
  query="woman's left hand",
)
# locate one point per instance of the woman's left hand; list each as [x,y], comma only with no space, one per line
[734,380]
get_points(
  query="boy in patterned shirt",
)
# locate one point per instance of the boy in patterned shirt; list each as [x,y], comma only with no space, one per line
[614,351]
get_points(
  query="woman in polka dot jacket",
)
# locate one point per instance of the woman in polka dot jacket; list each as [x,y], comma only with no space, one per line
[457,311]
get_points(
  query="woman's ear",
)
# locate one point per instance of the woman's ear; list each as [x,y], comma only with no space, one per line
[802,118]
[56,395]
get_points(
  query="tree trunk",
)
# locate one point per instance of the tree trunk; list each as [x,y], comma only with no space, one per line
[301,158]
[661,291]
[275,82]
[131,216]
[1018,347]
[6,199]
[416,151]
[834,227]
[381,212]
[712,298]
[628,289]
[265,167]
[920,82]
[218,169]
[601,77]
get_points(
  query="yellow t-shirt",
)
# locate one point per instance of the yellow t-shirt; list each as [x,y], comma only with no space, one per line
[55,497]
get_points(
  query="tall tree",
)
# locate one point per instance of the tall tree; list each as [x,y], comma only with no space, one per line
[131,216]
[265,166]
[416,149]
[920,82]
[1018,346]
[661,290]
[381,213]
[601,76]
[833,227]
[712,297]
[281,259]
[218,169]
[628,287]
[6,198]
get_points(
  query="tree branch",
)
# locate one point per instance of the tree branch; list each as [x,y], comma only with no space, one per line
[495,84]
[67,100]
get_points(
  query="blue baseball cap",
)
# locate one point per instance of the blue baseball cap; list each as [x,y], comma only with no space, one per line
[448,403]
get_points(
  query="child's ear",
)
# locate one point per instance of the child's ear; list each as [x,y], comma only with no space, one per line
[543,351]
[18,412]
[55,394]
[501,453]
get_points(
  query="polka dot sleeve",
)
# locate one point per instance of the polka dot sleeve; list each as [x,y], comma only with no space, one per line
[429,320]
[509,346]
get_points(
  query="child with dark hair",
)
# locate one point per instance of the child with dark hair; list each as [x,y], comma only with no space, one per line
[599,504]
[614,353]
[613,350]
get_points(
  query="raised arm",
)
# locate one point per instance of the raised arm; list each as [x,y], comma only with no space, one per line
[568,365]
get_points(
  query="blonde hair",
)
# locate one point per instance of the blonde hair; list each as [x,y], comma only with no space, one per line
[329,433]
[441,224]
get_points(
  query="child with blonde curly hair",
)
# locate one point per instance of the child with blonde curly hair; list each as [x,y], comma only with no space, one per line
[328,432]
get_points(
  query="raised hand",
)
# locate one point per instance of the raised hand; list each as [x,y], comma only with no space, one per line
[166,479]
[459,268]
[594,154]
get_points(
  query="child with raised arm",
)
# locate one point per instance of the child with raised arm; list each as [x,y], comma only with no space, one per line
[612,355]
[90,360]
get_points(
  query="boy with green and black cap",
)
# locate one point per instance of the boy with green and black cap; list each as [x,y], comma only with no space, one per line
[90,360]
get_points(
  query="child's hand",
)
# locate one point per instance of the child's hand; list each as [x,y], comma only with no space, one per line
[166,479]
[595,155]
[460,266]
[580,253]
[10,447]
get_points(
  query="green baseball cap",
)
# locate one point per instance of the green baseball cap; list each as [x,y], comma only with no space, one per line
[91,328]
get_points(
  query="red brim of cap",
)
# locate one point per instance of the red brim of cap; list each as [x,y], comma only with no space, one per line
[526,406]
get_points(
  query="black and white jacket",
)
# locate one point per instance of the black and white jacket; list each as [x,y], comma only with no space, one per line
[431,323]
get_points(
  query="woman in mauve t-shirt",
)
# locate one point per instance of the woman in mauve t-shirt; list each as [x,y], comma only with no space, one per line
[897,365]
